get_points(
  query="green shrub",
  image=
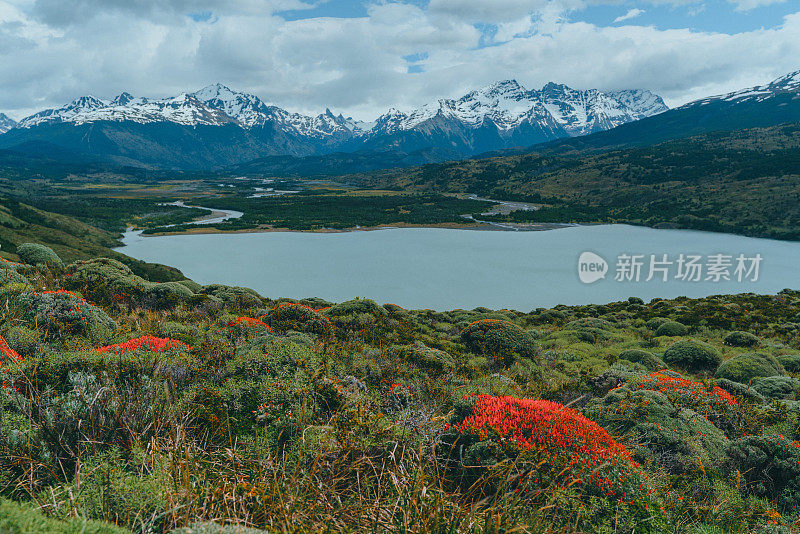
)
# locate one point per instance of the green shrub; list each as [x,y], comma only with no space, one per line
[740,390]
[214,528]
[63,314]
[193,286]
[424,356]
[776,387]
[790,362]
[502,340]
[740,339]
[659,430]
[292,316]
[771,466]
[693,356]
[655,322]
[671,329]
[165,295]
[11,276]
[25,341]
[239,297]
[21,519]
[745,367]
[105,280]
[355,306]
[39,255]
[650,361]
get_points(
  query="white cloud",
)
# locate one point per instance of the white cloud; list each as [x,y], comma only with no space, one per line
[747,5]
[631,14]
[356,65]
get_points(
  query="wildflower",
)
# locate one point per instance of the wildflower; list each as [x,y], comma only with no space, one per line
[148,343]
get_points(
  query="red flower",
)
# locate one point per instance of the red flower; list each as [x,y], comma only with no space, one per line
[148,343]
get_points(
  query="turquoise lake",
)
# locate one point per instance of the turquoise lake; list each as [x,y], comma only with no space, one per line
[446,269]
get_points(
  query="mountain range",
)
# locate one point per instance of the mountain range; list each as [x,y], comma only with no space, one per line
[217,126]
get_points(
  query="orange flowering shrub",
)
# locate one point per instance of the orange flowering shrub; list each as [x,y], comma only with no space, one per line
[6,352]
[147,343]
[560,447]
[299,317]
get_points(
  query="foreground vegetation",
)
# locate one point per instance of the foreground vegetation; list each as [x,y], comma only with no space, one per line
[134,405]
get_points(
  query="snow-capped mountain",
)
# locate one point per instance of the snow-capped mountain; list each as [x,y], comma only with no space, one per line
[182,109]
[508,105]
[501,115]
[6,123]
[789,83]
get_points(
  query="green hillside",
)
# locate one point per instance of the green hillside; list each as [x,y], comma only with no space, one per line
[744,182]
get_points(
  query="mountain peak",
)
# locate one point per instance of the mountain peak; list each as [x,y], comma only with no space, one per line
[6,123]
[123,99]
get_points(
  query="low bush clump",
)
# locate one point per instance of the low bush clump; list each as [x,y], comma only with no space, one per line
[739,338]
[299,317]
[745,367]
[770,465]
[20,519]
[502,340]
[650,361]
[776,387]
[693,356]
[426,357]
[790,362]
[165,295]
[671,329]
[38,255]
[63,313]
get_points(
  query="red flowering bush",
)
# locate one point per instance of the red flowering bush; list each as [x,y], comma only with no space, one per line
[710,401]
[147,343]
[538,448]
[299,317]
[6,352]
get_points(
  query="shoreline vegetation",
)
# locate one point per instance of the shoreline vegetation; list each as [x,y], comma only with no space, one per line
[132,405]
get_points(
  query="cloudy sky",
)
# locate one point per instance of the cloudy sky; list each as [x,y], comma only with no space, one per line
[360,57]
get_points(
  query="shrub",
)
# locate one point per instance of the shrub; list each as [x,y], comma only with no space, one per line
[659,430]
[502,340]
[166,295]
[740,339]
[650,361]
[425,357]
[790,362]
[771,466]
[63,313]
[745,367]
[235,296]
[776,387]
[740,390]
[7,354]
[656,322]
[39,255]
[712,402]
[11,276]
[23,340]
[671,329]
[105,280]
[21,519]
[293,316]
[693,356]
[548,446]
[355,306]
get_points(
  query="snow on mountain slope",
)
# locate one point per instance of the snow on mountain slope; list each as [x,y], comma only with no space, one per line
[507,104]
[789,83]
[182,109]
[6,123]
